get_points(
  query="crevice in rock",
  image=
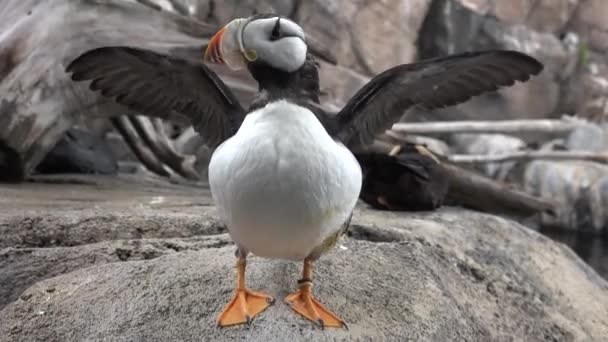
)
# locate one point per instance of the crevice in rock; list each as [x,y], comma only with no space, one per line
[51,231]
[471,271]
[172,246]
[374,234]
[10,163]
[147,250]
[123,254]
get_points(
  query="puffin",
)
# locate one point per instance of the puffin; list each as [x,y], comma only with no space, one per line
[282,174]
[407,178]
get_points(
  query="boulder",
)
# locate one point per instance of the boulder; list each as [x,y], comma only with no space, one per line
[578,185]
[542,15]
[591,89]
[590,21]
[79,151]
[23,267]
[146,274]
[465,25]
[367,36]
[490,144]
[581,186]
[588,137]
[598,202]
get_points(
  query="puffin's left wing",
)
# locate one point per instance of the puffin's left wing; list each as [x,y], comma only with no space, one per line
[156,85]
[431,84]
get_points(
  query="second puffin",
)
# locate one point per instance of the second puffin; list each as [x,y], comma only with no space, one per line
[283,178]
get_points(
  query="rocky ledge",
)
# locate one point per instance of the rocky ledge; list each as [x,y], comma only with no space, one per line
[114,259]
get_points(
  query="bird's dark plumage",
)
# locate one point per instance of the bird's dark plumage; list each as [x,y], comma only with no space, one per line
[156,85]
[431,84]
[408,181]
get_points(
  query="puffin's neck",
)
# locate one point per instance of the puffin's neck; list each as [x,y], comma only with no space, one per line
[299,86]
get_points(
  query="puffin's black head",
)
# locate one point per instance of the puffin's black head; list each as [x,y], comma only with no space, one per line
[265,39]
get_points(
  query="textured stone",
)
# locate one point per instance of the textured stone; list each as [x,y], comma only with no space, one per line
[367,36]
[570,183]
[598,202]
[550,15]
[448,275]
[489,144]
[590,21]
[23,267]
[454,26]
[79,151]
[540,15]
[588,137]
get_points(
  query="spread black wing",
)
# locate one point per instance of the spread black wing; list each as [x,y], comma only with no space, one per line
[157,85]
[430,84]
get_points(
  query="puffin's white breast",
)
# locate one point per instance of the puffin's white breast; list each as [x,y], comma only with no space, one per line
[282,184]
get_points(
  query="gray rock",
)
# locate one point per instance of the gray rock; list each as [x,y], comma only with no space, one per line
[367,36]
[454,26]
[588,137]
[541,15]
[448,275]
[598,202]
[587,91]
[52,215]
[79,151]
[590,21]
[490,144]
[23,267]
[572,183]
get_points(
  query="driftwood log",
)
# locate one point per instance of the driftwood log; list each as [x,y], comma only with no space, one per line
[510,127]
[597,157]
[39,38]
[38,102]
[472,190]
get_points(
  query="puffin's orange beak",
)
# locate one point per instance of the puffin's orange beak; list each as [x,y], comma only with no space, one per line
[226,47]
[213,53]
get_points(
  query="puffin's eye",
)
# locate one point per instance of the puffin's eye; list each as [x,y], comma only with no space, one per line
[276,30]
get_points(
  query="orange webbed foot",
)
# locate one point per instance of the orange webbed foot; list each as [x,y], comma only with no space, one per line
[304,303]
[243,307]
[245,304]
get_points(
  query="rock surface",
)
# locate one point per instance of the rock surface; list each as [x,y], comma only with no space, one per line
[151,262]
[579,185]
[462,25]
[79,151]
[489,144]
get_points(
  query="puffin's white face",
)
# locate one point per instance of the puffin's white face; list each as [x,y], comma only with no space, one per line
[275,41]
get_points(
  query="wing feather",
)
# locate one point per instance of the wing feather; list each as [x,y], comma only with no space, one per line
[158,85]
[431,84]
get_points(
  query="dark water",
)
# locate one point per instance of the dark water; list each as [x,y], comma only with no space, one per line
[592,249]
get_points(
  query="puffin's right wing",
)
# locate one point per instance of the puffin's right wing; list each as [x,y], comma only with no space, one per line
[154,84]
[431,84]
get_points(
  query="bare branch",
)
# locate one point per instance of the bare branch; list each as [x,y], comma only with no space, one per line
[529,155]
[513,127]
[472,190]
[182,164]
[138,146]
